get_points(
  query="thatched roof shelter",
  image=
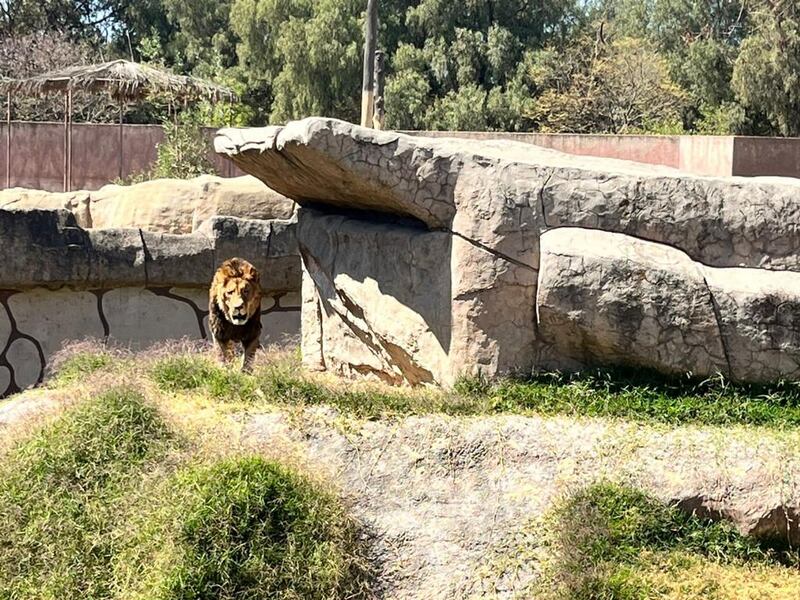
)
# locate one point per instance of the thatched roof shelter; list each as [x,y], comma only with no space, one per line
[122,79]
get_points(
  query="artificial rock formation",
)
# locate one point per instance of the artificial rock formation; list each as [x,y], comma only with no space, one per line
[425,259]
[161,205]
[60,282]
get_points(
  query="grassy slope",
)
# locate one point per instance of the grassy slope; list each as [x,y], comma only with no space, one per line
[604,543]
[109,501]
[613,542]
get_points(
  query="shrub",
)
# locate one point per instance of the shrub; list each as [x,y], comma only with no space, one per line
[244,528]
[60,493]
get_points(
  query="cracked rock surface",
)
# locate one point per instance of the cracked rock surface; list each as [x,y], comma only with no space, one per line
[674,271]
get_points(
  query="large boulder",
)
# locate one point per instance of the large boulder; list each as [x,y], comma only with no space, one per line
[470,275]
[162,205]
[78,203]
[608,298]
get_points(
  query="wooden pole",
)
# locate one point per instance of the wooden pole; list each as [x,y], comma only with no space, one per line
[69,143]
[120,138]
[66,137]
[379,115]
[368,83]
[8,140]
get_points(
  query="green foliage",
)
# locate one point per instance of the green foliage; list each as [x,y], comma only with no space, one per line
[243,528]
[462,110]
[766,76]
[61,492]
[623,87]
[184,152]
[305,56]
[407,99]
[602,541]
[652,66]
[726,119]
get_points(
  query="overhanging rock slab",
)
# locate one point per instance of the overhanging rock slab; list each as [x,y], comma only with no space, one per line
[649,263]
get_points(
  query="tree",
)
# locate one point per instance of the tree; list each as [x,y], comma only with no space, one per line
[35,53]
[766,76]
[700,39]
[301,57]
[623,87]
[465,58]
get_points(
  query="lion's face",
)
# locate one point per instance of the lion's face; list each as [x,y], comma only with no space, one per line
[237,291]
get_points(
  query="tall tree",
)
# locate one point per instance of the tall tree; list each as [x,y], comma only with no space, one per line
[305,55]
[766,77]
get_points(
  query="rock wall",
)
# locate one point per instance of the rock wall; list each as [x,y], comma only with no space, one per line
[425,259]
[161,205]
[60,282]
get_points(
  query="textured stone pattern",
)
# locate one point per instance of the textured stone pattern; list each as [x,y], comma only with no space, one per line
[62,283]
[526,258]
[160,205]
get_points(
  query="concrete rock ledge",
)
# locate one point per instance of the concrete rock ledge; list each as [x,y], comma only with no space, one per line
[425,259]
[160,205]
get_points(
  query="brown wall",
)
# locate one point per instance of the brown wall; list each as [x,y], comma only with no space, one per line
[37,154]
[652,149]
[754,156]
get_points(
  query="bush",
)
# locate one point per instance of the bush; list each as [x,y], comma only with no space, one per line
[60,495]
[244,528]
[183,154]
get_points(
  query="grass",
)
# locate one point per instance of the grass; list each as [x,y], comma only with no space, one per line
[60,491]
[244,528]
[611,542]
[632,395]
[75,366]
[111,501]
[648,396]
[115,500]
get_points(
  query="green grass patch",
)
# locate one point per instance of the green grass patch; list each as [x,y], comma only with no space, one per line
[648,396]
[187,372]
[60,493]
[615,542]
[80,365]
[244,528]
[633,395]
[283,383]
[109,502]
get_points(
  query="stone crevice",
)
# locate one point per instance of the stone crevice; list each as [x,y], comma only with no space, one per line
[717,315]
[493,252]
[146,258]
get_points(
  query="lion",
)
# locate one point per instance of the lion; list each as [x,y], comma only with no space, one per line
[234,310]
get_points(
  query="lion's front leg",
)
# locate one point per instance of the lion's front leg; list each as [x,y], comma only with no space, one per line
[225,351]
[249,354]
